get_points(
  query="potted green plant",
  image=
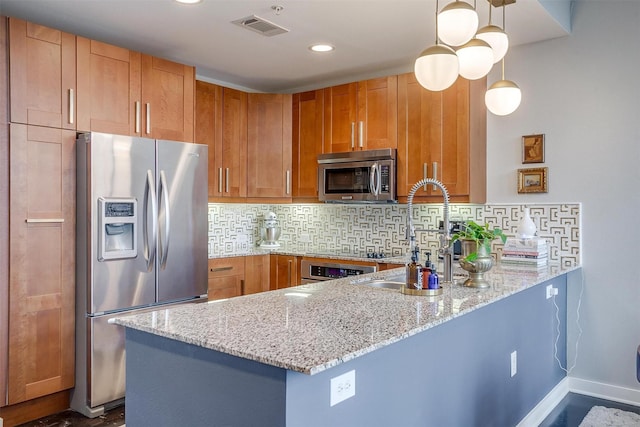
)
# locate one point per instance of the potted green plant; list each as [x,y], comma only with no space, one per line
[476,251]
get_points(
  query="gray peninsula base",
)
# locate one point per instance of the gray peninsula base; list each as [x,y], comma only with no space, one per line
[454,374]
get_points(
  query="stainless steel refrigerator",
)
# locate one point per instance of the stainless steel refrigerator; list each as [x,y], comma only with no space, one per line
[141,244]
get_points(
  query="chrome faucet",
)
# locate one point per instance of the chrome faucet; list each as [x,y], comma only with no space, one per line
[446,250]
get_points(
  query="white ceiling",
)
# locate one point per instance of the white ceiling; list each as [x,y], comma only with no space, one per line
[372,37]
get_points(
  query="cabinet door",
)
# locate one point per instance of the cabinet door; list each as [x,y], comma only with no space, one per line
[377,125]
[340,117]
[226,277]
[308,141]
[209,131]
[167,99]
[42,257]
[420,133]
[234,143]
[284,271]
[439,132]
[43,75]
[269,145]
[256,277]
[108,88]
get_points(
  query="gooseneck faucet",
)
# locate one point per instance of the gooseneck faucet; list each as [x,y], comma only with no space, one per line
[445,249]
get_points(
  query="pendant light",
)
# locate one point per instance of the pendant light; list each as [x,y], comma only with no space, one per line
[476,59]
[437,66]
[457,23]
[496,37]
[504,96]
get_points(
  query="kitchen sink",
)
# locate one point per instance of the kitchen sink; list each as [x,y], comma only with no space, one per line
[387,284]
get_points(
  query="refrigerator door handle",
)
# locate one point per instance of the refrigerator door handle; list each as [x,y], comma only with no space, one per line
[150,247]
[164,205]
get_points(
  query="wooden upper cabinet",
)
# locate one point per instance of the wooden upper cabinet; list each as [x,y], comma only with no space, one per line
[42,75]
[308,142]
[442,135]
[167,99]
[269,145]
[108,88]
[233,166]
[42,259]
[127,93]
[208,130]
[362,115]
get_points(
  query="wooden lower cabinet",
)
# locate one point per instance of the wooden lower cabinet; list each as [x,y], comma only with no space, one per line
[42,259]
[284,271]
[235,276]
[256,274]
[226,277]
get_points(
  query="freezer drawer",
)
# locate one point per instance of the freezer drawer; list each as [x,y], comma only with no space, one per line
[106,379]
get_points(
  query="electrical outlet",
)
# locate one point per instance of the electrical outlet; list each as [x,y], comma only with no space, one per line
[514,363]
[550,292]
[343,387]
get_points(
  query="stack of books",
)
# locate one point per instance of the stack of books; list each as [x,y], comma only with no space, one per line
[525,253]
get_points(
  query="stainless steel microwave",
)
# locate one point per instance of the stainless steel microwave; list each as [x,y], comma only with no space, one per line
[358,176]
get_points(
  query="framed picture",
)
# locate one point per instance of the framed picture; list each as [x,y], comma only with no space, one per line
[533,148]
[532,180]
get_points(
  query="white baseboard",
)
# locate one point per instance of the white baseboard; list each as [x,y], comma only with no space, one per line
[546,405]
[605,391]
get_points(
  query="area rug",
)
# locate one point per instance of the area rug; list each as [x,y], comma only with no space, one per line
[599,416]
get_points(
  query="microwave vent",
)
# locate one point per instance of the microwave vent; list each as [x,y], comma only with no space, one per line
[260,25]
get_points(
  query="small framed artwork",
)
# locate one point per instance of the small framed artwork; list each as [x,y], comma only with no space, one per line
[533,148]
[532,180]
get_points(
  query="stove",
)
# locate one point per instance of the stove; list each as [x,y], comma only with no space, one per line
[316,271]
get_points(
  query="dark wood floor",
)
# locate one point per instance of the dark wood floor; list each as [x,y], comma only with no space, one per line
[112,418]
[574,407]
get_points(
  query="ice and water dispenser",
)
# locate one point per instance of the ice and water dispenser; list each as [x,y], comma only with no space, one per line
[117,228]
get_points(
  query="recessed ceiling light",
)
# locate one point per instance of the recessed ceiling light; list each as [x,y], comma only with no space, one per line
[321,47]
[189,1]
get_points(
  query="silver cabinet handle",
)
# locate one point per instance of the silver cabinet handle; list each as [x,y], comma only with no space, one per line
[137,116]
[361,134]
[424,175]
[353,135]
[163,248]
[434,166]
[44,220]
[218,269]
[219,180]
[72,107]
[148,105]
[227,180]
[288,189]
[150,247]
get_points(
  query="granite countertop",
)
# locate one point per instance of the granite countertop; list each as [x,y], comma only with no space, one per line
[304,250]
[311,328]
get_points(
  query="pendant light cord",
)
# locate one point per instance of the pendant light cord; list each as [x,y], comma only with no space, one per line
[436,22]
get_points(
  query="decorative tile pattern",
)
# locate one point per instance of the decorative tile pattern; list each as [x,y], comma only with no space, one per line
[234,228]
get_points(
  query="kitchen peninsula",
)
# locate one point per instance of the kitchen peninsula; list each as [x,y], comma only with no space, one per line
[269,358]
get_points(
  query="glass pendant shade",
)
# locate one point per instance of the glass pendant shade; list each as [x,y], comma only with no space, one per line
[437,67]
[503,97]
[476,59]
[457,23]
[497,39]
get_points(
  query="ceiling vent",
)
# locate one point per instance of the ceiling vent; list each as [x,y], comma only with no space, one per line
[260,25]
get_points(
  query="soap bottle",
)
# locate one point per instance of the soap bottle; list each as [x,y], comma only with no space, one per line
[434,280]
[412,272]
[426,271]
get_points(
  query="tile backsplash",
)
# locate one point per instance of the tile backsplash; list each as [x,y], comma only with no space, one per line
[235,228]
